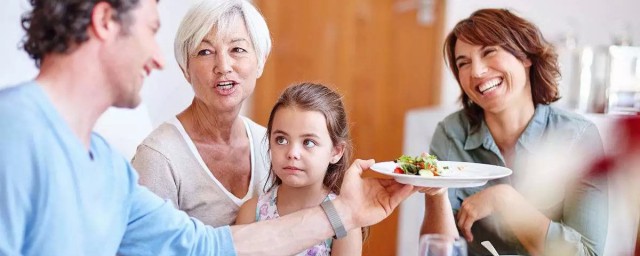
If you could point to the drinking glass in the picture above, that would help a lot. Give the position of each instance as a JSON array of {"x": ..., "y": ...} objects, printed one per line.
[{"x": 441, "y": 245}]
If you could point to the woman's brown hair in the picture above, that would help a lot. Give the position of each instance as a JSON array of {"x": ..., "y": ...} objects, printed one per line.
[{"x": 521, "y": 38}]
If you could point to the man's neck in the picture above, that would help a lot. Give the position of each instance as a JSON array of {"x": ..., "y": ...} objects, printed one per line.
[{"x": 76, "y": 89}]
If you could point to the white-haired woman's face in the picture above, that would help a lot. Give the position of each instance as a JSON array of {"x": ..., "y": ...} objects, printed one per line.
[{"x": 224, "y": 68}]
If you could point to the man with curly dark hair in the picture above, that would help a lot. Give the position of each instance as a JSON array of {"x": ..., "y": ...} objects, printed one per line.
[
  {"x": 65, "y": 191},
  {"x": 56, "y": 26}
]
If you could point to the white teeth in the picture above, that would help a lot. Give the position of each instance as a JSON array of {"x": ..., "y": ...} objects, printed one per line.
[
  {"x": 225, "y": 85},
  {"x": 489, "y": 85}
]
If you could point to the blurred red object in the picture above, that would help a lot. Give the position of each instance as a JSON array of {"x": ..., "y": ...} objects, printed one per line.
[{"x": 628, "y": 147}]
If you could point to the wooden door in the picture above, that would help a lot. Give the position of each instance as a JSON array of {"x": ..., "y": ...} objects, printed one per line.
[{"x": 380, "y": 58}]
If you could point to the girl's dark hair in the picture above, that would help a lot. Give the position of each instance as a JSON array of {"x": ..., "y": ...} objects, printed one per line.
[
  {"x": 57, "y": 26},
  {"x": 317, "y": 97},
  {"x": 516, "y": 35}
]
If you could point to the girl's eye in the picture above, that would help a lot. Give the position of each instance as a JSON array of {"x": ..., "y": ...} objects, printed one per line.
[
  {"x": 281, "y": 140},
  {"x": 309, "y": 143},
  {"x": 204, "y": 52},
  {"x": 461, "y": 64}
]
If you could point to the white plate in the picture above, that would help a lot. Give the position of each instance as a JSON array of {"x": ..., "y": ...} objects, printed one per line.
[{"x": 460, "y": 174}]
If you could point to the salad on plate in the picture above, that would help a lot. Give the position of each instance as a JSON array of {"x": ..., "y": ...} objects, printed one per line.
[{"x": 424, "y": 165}]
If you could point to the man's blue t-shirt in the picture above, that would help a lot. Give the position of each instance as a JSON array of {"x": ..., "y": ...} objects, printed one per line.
[{"x": 59, "y": 198}]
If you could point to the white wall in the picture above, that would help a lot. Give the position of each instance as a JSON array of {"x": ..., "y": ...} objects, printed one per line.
[
  {"x": 165, "y": 93},
  {"x": 15, "y": 65}
]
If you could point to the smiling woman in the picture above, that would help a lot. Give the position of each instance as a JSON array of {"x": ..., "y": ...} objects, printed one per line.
[
  {"x": 209, "y": 159},
  {"x": 490, "y": 32},
  {"x": 508, "y": 76}
]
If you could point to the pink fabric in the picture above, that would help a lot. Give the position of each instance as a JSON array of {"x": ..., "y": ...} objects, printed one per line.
[{"x": 267, "y": 209}]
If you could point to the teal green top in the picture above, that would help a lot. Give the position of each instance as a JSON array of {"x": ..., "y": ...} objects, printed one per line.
[{"x": 579, "y": 221}]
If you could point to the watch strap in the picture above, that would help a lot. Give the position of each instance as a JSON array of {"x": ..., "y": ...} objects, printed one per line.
[{"x": 334, "y": 219}]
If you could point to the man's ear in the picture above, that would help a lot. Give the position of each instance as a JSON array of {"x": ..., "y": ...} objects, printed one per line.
[{"x": 102, "y": 26}]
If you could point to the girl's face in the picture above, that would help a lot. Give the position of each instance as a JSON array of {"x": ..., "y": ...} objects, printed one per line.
[
  {"x": 492, "y": 77},
  {"x": 301, "y": 148}
]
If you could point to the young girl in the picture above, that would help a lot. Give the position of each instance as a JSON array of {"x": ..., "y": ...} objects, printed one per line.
[{"x": 310, "y": 148}]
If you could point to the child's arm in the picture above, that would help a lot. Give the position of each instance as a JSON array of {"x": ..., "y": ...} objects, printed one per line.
[
  {"x": 349, "y": 245},
  {"x": 247, "y": 212}
]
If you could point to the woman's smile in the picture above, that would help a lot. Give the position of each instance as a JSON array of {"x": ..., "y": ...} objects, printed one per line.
[{"x": 490, "y": 85}]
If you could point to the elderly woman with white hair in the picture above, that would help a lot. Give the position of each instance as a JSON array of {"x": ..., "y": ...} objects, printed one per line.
[{"x": 209, "y": 159}]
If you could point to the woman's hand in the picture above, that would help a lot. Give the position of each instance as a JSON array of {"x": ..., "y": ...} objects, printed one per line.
[
  {"x": 437, "y": 213},
  {"x": 432, "y": 191},
  {"x": 481, "y": 205}
]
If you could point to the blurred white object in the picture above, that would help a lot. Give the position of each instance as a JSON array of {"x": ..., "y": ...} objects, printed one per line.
[
  {"x": 440, "y": 245},
  {"x": 623, "y": 81},
  {"x": 624, "y": 208},
  {"x": 489, "y": 247}
]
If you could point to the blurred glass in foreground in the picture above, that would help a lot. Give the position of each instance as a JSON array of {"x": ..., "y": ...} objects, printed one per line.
[{"x": 441, "y": 245}]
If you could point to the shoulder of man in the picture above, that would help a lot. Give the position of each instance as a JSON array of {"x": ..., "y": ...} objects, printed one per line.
[{"x": 20, "y": 113}]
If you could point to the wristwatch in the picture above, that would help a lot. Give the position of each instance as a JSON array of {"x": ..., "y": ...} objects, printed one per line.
[{"x": 334, "y": 219}]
